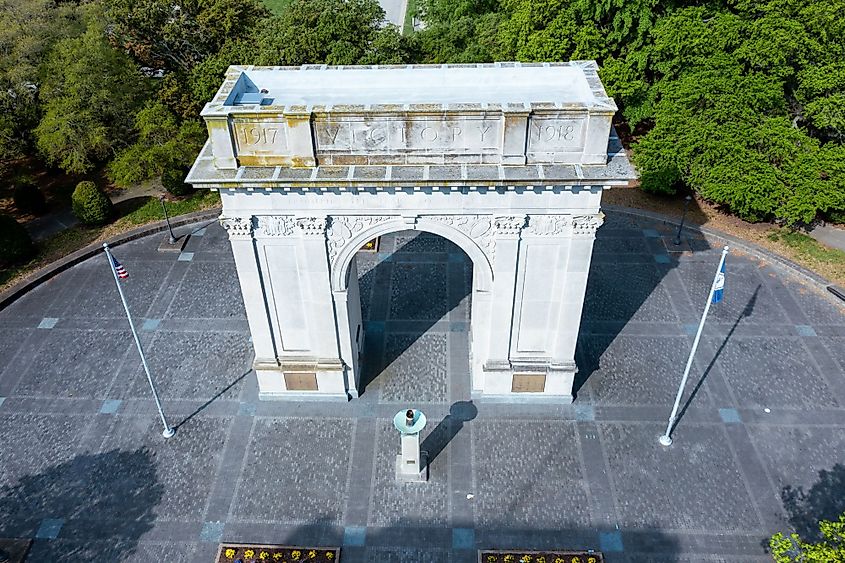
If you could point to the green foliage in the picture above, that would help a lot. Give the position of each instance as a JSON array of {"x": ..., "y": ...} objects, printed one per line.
[
  {"x": 335, "y": 32},
  {"x": 28, "y": 198},
  {"x": 162, "y": 141},
  {"x": 28, "y": 30},
  {"x": 90, "y": 205},
  {"x": 177, "y": 34},
  {"x": 793, "y": 549},
  {"x": 15, "y": 243},
  {"x": 89, "y": 94},
  {"x": 458, "y": 32},
  {"x": 173, "y": 180}
]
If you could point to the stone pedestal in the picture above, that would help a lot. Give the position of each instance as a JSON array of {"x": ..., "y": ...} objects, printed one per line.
[{"x": 409, "y": 463}]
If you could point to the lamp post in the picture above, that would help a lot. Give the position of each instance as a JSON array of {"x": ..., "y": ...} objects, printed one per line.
[
  {"x": 172, "y": 239},
  {"x": 687, "y": 201}
]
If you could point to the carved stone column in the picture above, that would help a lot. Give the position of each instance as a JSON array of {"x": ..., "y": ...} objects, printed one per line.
[
  {"x": 506, "y": 232},
  {"x": 240, "y": 231}
]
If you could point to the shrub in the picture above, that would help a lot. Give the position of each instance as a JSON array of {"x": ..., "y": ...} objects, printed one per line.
[
  {"x": 173, "y": 180},
  {"x": 90, "y": 205},
  {"x": 15, "y": 242},
  {"x": 836, "y": 216},
  {"x": 28, "y": 198}
]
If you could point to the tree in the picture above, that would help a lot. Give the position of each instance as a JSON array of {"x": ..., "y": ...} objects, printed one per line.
[
  {"x": 793, "y": 549},
  {"x": 90, "y": 93},
  {"x": 459, "y": 32},
  {"x": 175, "y": 35},
  {"x": 335, "y": 32},
  {"x": 28, "y": 30},
  {"x": 163, "y": 141}
]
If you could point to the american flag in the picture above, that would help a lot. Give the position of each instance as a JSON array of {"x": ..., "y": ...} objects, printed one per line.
[{"x": 119, "y": 269}]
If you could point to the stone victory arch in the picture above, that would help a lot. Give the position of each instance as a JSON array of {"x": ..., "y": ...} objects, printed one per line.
[{"x": 507, "y": 161}]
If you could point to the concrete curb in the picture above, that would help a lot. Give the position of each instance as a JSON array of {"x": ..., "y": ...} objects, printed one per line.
[
  {"x": 745, "y": 246},
  {"x": 35, "y": 279}
]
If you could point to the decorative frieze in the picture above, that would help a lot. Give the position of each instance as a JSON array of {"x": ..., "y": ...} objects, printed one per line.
[
  {"x": 276, "y": 225},
  {"x": 312, "y": 226},
  {"x": 237, "y": 227},
  {"x": 549, "y": 225},
  {"x": 587, "y": 225},
  {"x": 477, "y": 227},
  {"x": 343, "y": 227},
  {"x": 509, "y": 225}
]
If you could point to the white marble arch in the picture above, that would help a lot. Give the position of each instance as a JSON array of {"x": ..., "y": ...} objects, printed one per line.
[
  {"x": 506, "y": 160},
  {"x": 348, "y": 311}
]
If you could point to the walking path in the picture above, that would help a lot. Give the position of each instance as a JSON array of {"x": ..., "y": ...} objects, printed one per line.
[{"x": 86, "y": 473}]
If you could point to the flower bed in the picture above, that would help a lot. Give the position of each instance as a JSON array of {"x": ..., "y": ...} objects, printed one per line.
[
  {"x": 250, "y": 553},
  {"x": 524, "y": 556}
]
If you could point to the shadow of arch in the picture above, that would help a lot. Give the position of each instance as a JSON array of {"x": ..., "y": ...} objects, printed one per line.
[
  {"x": 106, "y": 500},
  {"x": 825, "y": 500}
]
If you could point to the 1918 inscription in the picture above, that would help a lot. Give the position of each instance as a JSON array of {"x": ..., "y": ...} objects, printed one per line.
[{"x": 555, "y": 135}]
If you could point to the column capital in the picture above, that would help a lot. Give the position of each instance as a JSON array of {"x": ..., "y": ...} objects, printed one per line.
[
  {"x": 238, "y": 228},
  {"x": 312, "y": 226},
  {"x": 507, "y": 226},
  {"x": 587, "y": 225}
]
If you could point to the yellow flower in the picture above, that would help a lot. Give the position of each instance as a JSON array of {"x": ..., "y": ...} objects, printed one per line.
[
  {"x": 277, "y": 555},
  {"x": 295, "y": 554},
  {"x": 329, "y": 555},
  {"x": 312, "y": 554},
  {"x": 559, "y": 560},
  {"x": 491, "y": 558},
  {"x": 526, "y": 559},
  {"x": 508, "y": 558},
  {"x": 541, "y": 559},
  {"x": 263, "y": 555},
  {"x": 249, "y": 553},
  {"x": 229, "y": 553}
]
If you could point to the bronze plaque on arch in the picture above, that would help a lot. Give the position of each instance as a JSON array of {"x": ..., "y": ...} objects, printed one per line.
[
  {"x": 300, "y": 381},
  {"x": 528, "y": 383}
]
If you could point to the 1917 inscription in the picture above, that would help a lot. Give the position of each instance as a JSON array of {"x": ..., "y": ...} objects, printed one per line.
[{"x": 260, "y": 136}]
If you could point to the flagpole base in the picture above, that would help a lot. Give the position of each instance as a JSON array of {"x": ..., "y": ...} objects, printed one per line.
[
  {"x": 665, "y": 440},
  {"x": 168, "y": 432}
]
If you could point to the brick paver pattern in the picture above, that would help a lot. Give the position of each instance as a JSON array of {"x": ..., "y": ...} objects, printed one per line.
[{"x": 84, "y": 469}]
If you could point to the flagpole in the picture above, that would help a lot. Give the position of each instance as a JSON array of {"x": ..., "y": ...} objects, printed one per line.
[
  {"x": 168, "y": 430},
  {"x": 666, "y": 438}
]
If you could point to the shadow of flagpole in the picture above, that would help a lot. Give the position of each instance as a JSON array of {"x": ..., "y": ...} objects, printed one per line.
[{"x": 746, "y": 312}]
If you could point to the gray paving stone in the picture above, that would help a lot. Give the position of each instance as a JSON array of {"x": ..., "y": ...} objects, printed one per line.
[
  {"x": 545, "y": 462},
  {"x": 634, "y": 370},
  {"x": 770, "y": 372},
  {"x": 188, "y": 365},
  {"x": 180, "y": 470},
  {"x": 419, "y": 372},
  {"x": 208, "y": 290},
  {"x": 416, "y": 291},
  {"x": 283, "y": 481},
  {"x": 391, "y": 500},
  {"x": 699, "y": 464},
  {"x": 89, "y": 361},
  {"x": 540, "y": 477}
]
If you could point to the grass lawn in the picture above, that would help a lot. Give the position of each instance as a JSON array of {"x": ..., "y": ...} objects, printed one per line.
[
  {"x": 814, "y": 255},
  {"x": 148, "y": 210}
]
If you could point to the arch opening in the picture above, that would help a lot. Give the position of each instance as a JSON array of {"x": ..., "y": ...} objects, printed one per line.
[{"x": 409, "y": 306}]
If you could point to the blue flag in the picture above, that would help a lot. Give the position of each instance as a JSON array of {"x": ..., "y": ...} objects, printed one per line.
[{"x": 719, "y": 286}]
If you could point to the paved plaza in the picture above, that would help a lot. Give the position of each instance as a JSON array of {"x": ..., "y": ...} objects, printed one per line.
[{"x": 759, "y": 448}]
